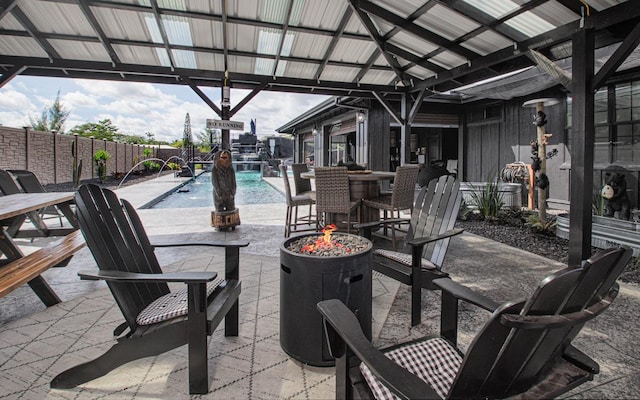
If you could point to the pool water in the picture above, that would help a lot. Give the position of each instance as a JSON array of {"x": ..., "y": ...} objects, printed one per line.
[{"x": 250, "y": 189}]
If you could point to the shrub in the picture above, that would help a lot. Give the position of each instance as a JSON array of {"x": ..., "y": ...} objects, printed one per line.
[
  {"x": 544, "y": 227},
  {"x": 488, "y": 201},
  {"x": 100, "y": 158}
]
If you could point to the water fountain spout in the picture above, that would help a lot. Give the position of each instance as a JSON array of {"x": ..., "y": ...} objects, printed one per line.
[{"x": 137, "y": 165}]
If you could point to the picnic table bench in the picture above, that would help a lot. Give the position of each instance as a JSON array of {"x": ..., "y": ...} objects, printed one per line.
[{"x": 27, "y": 269}]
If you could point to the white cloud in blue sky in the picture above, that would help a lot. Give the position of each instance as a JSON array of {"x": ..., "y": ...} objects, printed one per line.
[{"x": 138, "y": 108}]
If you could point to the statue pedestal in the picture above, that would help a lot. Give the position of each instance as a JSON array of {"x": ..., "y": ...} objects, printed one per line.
[{"x": 225, "y": 219}]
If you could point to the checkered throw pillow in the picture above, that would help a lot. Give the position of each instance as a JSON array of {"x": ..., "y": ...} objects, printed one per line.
[
  {"x": 171, "y": 305},
  {"x": 434, "y": 360},
  {"x": 403, "y": 258}
]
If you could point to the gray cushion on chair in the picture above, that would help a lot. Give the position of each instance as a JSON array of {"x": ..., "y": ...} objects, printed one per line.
[
  {"x": 434, "y": 360},
  {"x": 402, "y": 258},
  {"x": 171, "y": 305}
]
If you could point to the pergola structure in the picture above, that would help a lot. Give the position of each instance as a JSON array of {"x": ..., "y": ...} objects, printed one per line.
[{"x": 391, "y": 51}]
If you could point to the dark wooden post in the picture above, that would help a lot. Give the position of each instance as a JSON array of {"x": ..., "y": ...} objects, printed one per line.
[{"x": 582, "y": 151}]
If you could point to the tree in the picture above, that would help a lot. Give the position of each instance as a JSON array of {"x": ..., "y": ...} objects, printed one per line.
[
  {"x": 102, "y": 130},
  {"x": 52, "y": 118}
]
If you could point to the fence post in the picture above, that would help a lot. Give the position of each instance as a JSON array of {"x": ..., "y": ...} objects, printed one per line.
[
  {"x": 55, "y": 157},
  {"x": 26, "y": 147}
]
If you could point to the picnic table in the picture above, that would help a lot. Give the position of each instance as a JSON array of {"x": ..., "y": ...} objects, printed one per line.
[{"x": 16, "y": 268}]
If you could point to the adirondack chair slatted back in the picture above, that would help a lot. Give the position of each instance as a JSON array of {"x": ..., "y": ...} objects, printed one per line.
[
  {"x": 435, "y": 211},
  {"x": 117, "y": 239},
  {"x": 504, "y": 360},
  {"x": 7, "y": 184}
]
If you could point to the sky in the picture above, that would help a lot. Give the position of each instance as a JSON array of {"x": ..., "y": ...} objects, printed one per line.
[{"x": 138, "y": 108}]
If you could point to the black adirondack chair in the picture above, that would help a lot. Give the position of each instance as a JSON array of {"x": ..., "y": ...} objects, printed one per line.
[
  {"x": 430, "y": 230},
  {"x": 157, "y": 320},
  {"x": 30, "y": 183},
  {"x": 523, "y": 351},
  {"x": 7, "y": 187}
]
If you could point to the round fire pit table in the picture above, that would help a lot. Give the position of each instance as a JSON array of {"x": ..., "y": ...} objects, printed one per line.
[{"x": 306, "y": 279}]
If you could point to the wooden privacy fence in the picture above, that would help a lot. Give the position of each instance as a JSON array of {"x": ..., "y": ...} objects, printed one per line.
[{"x": 49, "y": 155}]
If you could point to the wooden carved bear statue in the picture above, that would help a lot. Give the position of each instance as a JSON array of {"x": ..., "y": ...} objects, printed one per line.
[{"x": 615, "y": 194}]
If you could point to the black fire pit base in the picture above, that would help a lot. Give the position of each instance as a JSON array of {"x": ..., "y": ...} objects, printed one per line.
[{"x": 306, "y": 280}]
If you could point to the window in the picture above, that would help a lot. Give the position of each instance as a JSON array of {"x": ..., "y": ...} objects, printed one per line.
[{"x": 617, "y": 124}]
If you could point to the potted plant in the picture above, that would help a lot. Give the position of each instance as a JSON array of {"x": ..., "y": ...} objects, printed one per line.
[{"x": 100, "y": 158}]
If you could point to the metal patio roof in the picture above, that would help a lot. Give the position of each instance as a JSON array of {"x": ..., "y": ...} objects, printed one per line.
[{"x": 379, "y": 48}]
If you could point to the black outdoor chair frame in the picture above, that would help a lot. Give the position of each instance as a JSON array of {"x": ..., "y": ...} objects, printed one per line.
[
  {"x": 117, "y": 240},
  {"x": 523, "y": 350}
]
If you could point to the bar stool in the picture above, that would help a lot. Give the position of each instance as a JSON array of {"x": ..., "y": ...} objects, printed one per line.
[
  {"x": 293, "y": 202},
  {"x": 332, "y": 194},
  {"x": 401, "y": 197}
]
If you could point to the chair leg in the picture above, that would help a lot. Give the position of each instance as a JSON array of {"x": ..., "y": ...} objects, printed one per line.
[{"x": 126, "y": 350}]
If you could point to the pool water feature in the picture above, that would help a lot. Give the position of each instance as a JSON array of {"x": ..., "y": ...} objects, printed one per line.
[{"x": 250, "y": 189}]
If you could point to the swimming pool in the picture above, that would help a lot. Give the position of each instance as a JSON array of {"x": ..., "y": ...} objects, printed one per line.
[{"x": 250, "y": 189}]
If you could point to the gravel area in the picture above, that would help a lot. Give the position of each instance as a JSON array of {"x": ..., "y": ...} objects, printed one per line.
[{"x": 514, "y": 232}]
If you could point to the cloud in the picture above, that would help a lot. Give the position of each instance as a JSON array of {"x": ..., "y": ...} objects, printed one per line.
[{"x": 138, "y": 108}]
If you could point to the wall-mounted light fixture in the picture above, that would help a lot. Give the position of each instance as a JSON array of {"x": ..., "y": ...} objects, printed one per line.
[
  {"x": 314, "y": 131},
  {"x": 360, "y": 116}
]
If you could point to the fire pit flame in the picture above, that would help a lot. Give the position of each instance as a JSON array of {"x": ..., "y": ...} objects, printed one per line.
[{"x": 324, "y": 242}]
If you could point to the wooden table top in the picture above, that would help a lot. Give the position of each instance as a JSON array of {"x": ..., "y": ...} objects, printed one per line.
[{"x": 17, "y": 204}]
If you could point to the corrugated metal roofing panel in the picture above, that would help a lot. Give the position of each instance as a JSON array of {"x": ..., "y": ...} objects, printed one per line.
[
  {"x": 300, "y": 70},
  {"x": 269, "y": 41},
  {"x": 323, "y": 14},
  {"x": 600, "y": 5},
  {"x": 206, "y": 33},
  {"x": 542, "y": 19},
  {"x": 496, "y": 8},
  {"x": 138, "y": 55},
  {"x": 420, "y": 72},
  {"x": 205, "y": 6},
  {"x": 274, "y": 11},
  {"x": 378, "y": 77},
  {"x": 352, "y": 50},
  {"x": 50, "y": 17},
  {"x": 381, "y": 61},
  {"x": 249, "y": 9},
  {"x": 209, "y": 61},
  {"x": 445, "y": 22},
  {"x": 355, "y": 26},
  {"x": 184, "y": 59},
  {"x": 554, "y": 13},
  {"x": 448, "y": 59},
  {"x": 123, "y": 24},
  {"x": 264, "y": 66},
  {"x": 487, "y": 42},
  {"x": 381, "y": 25},
  {"x": 21, "y": 46},
  {"x": 339, "y": 74},
  {"x": 401, "y": 8},
  {"x": 309, "y": 46},
  {"x": 242, "y": 37},
  {"x": 9, "y": 22},
  {"x": 173, "y": 4},
  {"x": 177, "y": 29},
  {"x": 241, "y": 64},
  {"x": 77, "y": 50},
  {"x": 412, "y": 43}
]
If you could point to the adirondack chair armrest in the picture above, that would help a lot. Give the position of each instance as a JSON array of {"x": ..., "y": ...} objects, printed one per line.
[
  {"x": 366, "y": 228},
  {"x": 461, "y": 292},
  {"x": 160, "y": 241},
  {"x": 424, "y": 240},
  {"x": 121, "y": 276},
  {"x": 344, "y": 332}
]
